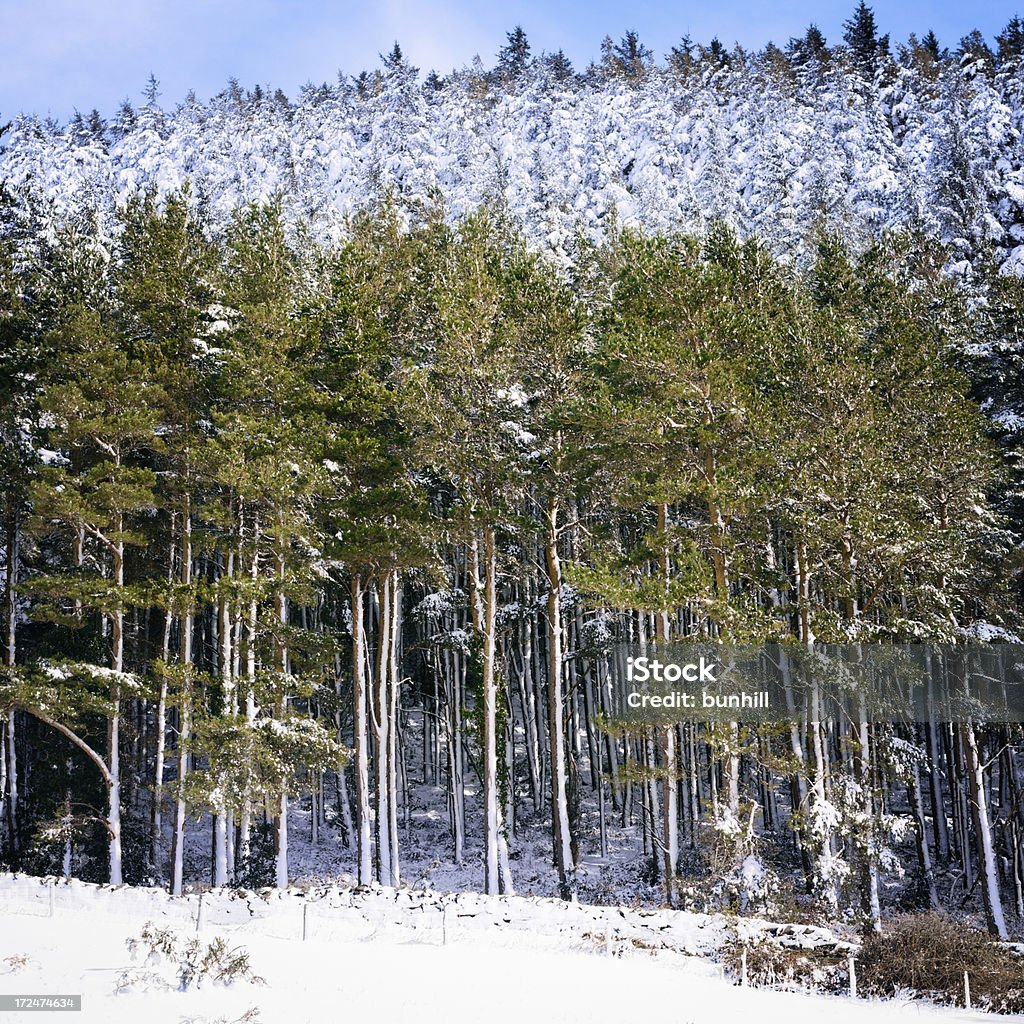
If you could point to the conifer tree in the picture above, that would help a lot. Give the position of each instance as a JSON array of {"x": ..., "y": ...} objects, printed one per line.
[
  {"x": 861, "y": 36},
  {"x": 104, "y": 415},
  {"x": 514, "y": 56}
]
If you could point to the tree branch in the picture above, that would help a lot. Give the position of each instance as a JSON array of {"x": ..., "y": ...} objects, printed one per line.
[{"x": 77, "y": 740}]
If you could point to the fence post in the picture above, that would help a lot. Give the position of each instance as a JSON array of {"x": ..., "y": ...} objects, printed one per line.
[
  {"x": 444, "y": 925},
  {"x": 743, "y": 966},
  {"x": 967, "y": 991},
  {"x": 50, "y": 894},
  {"x": 199, "y": 914},
  {"x": 305, "y": 919},
  {"x": 853, "y": 978}
]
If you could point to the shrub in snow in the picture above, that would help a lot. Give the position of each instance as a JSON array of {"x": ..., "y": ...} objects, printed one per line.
[
  {"x": 770, "y": 964},
  {"x": 169, "y": 962},
  {"x": 740, "y": 881},
  {"x": 15, "y": 963},
  {"x": 927, "y": 955}
]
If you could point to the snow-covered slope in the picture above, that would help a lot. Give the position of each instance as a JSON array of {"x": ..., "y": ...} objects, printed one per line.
[
  {"x": 390, "y": 956},
  {"x": 770, "y": 149}
]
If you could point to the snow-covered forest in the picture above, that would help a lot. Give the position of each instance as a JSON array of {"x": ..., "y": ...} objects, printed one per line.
[
  {"x": 868, "y": 135},
  {"x": 343, "y": 436}
]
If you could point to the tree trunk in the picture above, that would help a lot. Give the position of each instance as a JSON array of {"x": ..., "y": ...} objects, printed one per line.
[
  {"x": 364, "y": 870},
  {"x": 380, "y": 708},
  {"x": 487, "y": 614},
  {"x": 9, "y": 753},
  {"x": 983, "y": 832},
  {"x": 185, "y": 710},
  {"x": 156, "y": 819},
  {"x": 556, "y": 734},
  {"x": 244, "y": 851},
  {"x": 869, "y": 853},
  {"x": 114, "y": 725},
  {"x": 394, "y": 710},
  {"x": 666, "y": 734}
]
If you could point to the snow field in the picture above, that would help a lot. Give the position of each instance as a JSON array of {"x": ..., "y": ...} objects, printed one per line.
[{"x": 396, "y": 955}]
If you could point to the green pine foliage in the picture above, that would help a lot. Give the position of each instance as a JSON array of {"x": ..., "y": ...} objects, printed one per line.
[{"x": 206, "y": 437}]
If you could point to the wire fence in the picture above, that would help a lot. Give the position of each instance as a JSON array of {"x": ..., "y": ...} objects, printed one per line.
[{"x": 348, "y": 915}]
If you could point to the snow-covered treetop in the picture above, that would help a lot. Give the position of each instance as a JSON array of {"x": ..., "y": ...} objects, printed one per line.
[{"x": 860, "y": 138}]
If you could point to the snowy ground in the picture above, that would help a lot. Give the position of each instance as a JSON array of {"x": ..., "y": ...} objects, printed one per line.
[{"x": 393, "y": 956}]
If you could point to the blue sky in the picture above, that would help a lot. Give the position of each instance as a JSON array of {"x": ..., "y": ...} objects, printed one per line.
[{"x": 59, "y": 55}]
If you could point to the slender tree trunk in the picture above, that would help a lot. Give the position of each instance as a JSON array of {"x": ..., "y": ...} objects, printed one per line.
[
  {"x": 394, "y": 710},
  {"x": 3, "y": 775},
  {"x": 983, "y": 832},
  {"x": 364, "y": 871},
  {"x": 343, "y": 804},
  {"x": 244, "y": 853},
  {"x": 156, "y": 819},
  {"x": 824, "y": 866},
  {"x": 281, "y": 818},
  {"x": 185, "y": 710},
  {"x": 556, "y": 734},
  {"x": 380, "y": 712},
  {"x": 527, "y": 701},
  {"x": 667, "y": 736},
  {"x": 921, "y": 837},
  {"x": 487, "y": 615},
  {"x": 13, "y": 542},
  {"x": 870, "y": 857},
  {"x": 114, "y": 723},
  {"x": 9, "y": 753},
  {"x": 456, "y": 768},
  {"x": 220, "y": 820}
]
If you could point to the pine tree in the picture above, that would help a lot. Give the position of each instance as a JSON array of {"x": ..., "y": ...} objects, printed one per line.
[
  {"x": 20, "y": 371},
  {"x": 861, "y": 36},
  {"x": 268, "y": 458},
  {"x": 931, "y": 45},
  {"x": 974, "y": 46},
  {"x": 104, "y": 415},
  {"x": 165, "y": 269},
  {"x": 1011, "y": 40},
  {"x": 377, "y": 517},
  {"x": 470, "y": 385},
  {"x": 514, "y": 56},
  {"x": 680, "y": 57},
  {"x": 628, "y": 59},
  {"x": 560, "y": 434},
  {"x": 558, "y": 66}
]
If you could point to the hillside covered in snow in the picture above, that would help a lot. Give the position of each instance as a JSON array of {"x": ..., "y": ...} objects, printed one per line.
[
  {"x": 860, "y": 136},
  {"x": 387, "y": 956}
]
